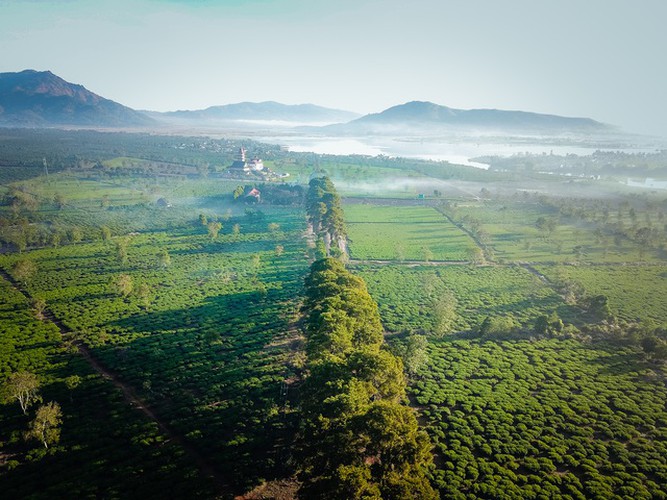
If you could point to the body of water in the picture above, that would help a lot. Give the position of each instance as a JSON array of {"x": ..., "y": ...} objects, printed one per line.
[{"x": 459, "y": 151}]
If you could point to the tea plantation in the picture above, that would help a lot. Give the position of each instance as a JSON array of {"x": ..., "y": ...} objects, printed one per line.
[{"x": 166, "y": 334}]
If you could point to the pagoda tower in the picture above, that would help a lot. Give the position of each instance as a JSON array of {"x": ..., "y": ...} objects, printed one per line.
[{"x": 240, "y": 161}]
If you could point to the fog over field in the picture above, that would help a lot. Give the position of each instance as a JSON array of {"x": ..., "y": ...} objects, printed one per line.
[{"x": 361, "y": 249}]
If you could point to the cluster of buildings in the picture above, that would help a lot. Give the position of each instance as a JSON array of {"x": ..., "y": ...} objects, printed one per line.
[
  {"x": 241, "y": 164},
  {"x": 252, "y": 168}
]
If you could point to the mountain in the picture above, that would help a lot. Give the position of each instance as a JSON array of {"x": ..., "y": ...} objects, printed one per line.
[
  {"x": 41, "y": 99},
  {"x": 264, "y": 111},
  {"x": 419, "y": 115}
]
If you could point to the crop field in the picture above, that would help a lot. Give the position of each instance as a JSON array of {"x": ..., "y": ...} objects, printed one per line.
[
  {"x": 100, "y": 431},
  {"x": 365, "y": 177},
  {"x": 511, "y": 232},
  {"x": 545, "y": 419},
  {"x": 407, "y": 296},
  {"x": 403, "y": 233},
  {"x": 201, "y": 333},
  {"x": 636, "y": 293},
  {"x": 204, "y": 341},
  {"x": 191, "y": 298}
]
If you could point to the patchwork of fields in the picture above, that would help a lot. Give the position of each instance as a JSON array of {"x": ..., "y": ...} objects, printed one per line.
[
  {"x": 522, "y": 416},
  {"x": 195, "y": 304}
]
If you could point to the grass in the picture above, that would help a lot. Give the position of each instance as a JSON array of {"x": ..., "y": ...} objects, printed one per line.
[{"x": 403, "y": 233}]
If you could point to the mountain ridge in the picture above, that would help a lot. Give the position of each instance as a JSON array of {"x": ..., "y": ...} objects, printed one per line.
[
  {"x": 31, "y": 98},
  {"x": 425, "y": 114},
  {"x": 265, "y": 110}
]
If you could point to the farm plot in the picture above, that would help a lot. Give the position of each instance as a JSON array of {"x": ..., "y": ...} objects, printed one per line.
[
  {"x": 106, "y": 449},
  {"x": 202, "y": 336},
  {"x": 635, "y": 293},
  {"x": 511, "y": 230},
  {"x": 366, "y": 177},
  {"x": 409, "y": 298},
  {"x": 548, "y": 418},
  {"x": 403, "y": 233}
]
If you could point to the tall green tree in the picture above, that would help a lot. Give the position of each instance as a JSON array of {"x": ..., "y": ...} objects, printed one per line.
[
  {"x": 122, "y": 285},
  {"x": 214, "y": 228},
  {"x": 357, "y": 439},
  {"x": 324, "y": 211}
]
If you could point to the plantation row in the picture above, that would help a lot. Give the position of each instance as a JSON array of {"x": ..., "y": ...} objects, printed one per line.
[
  {"x": 100, "y": 448},
  {"x": 553, "y": 418},
  {"x": 359, "y": 440},
  {"x": 201, "y": 335}
]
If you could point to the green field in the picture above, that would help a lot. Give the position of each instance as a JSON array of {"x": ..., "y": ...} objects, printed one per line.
[
  {"x": 360, "y": 177},
  {"x": 203, "y": 345},
  {"x": 636, "y": 293},
  {"x": 207, "y": 331},
  {"x": 100, "y": 431},
  {"x": 407, "y": 296},
  {"x": 545, "y": 419},
  {"x": 202, "y": 337},
  {"x": 510, "y": 231},
  {"x": 403, "y": 233}
]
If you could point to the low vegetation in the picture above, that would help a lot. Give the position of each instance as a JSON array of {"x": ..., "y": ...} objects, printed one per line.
[{"x": 487, "y": 339}]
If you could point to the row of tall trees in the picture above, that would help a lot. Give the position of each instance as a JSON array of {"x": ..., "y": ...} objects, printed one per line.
[
  {"x": 325, "y": 214},
  {"x": 359, "y": 439}
]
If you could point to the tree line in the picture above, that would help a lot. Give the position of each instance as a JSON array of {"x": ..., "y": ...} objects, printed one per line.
[
  {"x": 325, "y": 216},
  {"x": 358, "y": 438}
]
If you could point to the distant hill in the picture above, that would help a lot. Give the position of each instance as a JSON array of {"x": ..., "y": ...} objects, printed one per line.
[
  {"x": 41, "y": 99},
  {"x": 264, "y": 111},
  {"x": 419, "y": 115}
]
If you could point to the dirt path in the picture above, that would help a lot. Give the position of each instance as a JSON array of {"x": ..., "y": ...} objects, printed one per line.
[
  {"x": 535, "y": 272},
  {"x": 482, "y": 247},
  {"x": 131, "y": 397}
]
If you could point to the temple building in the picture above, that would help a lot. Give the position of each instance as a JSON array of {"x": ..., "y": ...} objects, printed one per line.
[{"x": 241, "y": 163}]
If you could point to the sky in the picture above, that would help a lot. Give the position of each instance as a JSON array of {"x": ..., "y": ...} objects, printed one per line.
[{"x": 602, "y": 59}]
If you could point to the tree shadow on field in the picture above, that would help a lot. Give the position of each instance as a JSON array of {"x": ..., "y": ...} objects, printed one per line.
[
  {"x": 622, "y": 363},
  {"x": 215, "y": 372},
  {"x": 107, "y": 450}
]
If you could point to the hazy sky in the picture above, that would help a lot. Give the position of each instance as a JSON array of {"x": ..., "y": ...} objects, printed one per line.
[{"x": 598, "y": 58}]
